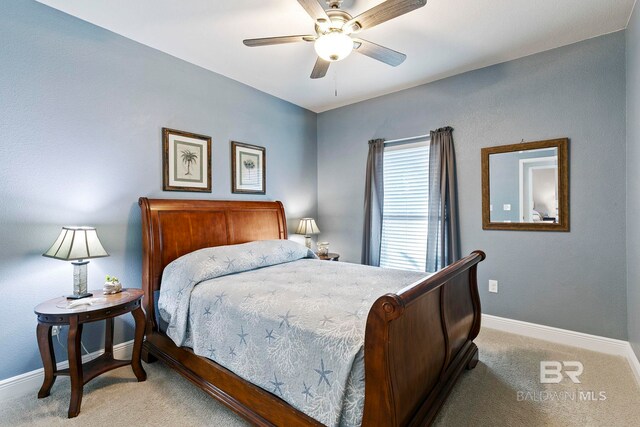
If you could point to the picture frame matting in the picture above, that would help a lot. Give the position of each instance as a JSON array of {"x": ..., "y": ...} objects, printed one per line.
[
  {"x": 248, "y": 168},
  {"x": 186, "y": 161}
]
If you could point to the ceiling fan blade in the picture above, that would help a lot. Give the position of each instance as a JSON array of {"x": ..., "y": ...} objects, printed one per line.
[
  {"x": 381, "y": 53},
  {"x": 320, "y": 69},
  {"x": 315, "y": 10},
  {"x": 266, "y": 41},
  {"x": 383, "y": 12}
]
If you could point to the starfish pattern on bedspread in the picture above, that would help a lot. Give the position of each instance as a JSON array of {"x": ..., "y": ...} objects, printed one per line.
[
  {"x": 219, "y": 298},
  {"x": 285, "y": 319},
  {"x": 230, "y": 263},
  {"x": 276, "y": 384},
  {"x": 326, "y": 320},
  {"x": 270, "y": 335},
  {"x": 287, "y": 326},
  {"x": 323, "y": 373},
  {"x": 306, "y": 392},
  {"x": 243, "y": 335}
]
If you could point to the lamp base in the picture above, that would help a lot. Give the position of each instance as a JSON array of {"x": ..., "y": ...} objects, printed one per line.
[
  {"x": 307, "y": 241},
  {"x": 80, "y": 296},
  {"x": 79, "y": 280}
]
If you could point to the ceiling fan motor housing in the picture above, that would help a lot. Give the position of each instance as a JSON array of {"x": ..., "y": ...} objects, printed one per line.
[{"x": 338, "y": 18}]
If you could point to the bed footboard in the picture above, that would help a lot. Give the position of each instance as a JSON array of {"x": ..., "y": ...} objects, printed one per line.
[{"x": 417, "y": 343}]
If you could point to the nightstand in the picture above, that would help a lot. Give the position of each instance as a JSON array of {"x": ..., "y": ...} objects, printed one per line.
[
  {"x": 55, "y": 312},
  {"x": 329, "y": 257}
]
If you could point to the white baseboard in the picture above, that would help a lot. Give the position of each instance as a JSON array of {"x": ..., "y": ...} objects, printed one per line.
[
  {"x": 566, "y": 337},
  {"x": 557, "y": 335},
  {"x": 634, "y": 363},
  {"x": 30, "y": 382}
]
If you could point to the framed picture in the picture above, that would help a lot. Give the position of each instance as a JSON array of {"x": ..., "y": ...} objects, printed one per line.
[
  {"x": 186, "y": 159},
  {"x": 248, "y": 168}
]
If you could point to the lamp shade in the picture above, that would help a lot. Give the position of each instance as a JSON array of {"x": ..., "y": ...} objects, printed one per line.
[
  {"x": 307, "y": 226},
  {"x": 76, "y": 243}
]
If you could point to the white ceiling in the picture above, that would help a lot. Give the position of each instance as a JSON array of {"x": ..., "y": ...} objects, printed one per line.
[{"x": 444, "y": 38}]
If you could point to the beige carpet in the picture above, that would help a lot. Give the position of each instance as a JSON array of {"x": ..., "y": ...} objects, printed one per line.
[{"x": 486, "y": 396}]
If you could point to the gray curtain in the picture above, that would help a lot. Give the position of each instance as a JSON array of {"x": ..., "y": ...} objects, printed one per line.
[
  {"x": 373, "y": 203},
  {"x": 443, "y": 238}
]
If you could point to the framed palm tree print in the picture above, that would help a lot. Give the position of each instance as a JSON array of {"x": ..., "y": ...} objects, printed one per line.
[
  {"x": 248, "y": 168},
  {"x": 186, "y": 159}
]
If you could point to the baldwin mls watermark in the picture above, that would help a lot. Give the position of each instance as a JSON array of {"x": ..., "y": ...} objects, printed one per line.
[
  {"x": 555, "y": 372},
  {"x": 551, "y": 371}
]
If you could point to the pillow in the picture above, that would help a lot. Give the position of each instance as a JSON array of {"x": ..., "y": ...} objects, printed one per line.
[
  {"x": 208, "y": 263},
  {"x": 183, "y": 274}
]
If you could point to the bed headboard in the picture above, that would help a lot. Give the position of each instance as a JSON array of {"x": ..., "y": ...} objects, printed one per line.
[{"x": 172, "y": 228}]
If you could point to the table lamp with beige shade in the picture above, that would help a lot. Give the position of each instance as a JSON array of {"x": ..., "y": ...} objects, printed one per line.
[
  {"x": 307, "y": 227},
  {"x": 77, "y": 244}
]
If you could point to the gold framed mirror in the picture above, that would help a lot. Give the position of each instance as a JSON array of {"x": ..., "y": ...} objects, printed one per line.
[{"x": 526, "y": 186}]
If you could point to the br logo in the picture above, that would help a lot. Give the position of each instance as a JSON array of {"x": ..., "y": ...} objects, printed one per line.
[{"x": 551, "y": 371}]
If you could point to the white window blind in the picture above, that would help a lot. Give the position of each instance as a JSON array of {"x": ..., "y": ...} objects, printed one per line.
[{"x": 406, "y": 192}]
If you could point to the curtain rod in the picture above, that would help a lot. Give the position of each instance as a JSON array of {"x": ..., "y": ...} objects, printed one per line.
[{"x": 401, "y": 141}]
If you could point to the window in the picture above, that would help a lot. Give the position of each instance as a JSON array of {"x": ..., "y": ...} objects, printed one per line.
[{"x": 406, "y": 192}]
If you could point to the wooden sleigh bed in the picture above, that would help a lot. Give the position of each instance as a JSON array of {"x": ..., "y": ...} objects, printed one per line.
[{"x": 417, "y": 342}]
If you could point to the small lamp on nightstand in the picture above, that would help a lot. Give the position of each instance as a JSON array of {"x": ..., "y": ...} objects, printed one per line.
[
  {"x": 307, "y": 227},
  {"x": 77, "y": 244}
]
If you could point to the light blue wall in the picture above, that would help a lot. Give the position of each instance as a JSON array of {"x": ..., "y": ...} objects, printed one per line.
[
  {"x": 572, "y": 280},
  {"x": 633, "y": 179},
  {"x": 81, "y": 112}
]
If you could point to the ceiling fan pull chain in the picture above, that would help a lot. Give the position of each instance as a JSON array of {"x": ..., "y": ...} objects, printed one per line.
[{"x": 335, "y": 83}]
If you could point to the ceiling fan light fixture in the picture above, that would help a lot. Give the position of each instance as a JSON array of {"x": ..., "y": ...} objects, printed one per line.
[
  {"x": 333, "y": 46},
  {"x": 334, "y": 27}
]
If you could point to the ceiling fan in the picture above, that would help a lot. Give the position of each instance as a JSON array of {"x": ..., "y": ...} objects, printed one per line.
[{"x": 335, "y": 29}]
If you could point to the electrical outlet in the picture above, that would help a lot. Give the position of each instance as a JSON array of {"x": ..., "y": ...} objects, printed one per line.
[
  {"x": 493, "y": 286},
  {"x": 55, "y": 330}
]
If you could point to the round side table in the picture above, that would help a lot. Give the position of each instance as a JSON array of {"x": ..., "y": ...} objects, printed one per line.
[{"x": 57, "y": 312}]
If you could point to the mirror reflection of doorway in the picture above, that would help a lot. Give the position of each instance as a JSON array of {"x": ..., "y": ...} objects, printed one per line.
[{"x": 539, "y": 189}]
